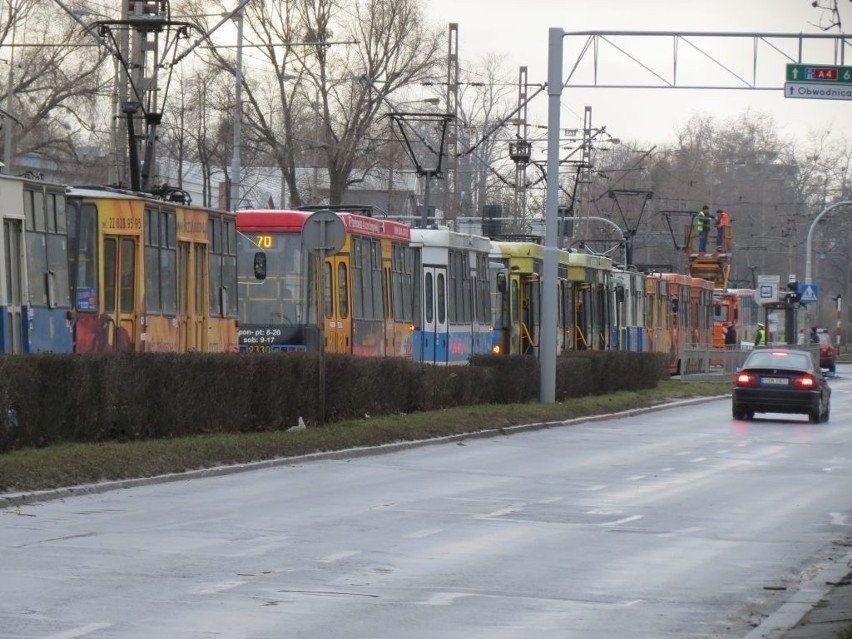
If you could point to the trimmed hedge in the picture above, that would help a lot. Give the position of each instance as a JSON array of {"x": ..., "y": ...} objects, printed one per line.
[{"x": 47, "y": 399}]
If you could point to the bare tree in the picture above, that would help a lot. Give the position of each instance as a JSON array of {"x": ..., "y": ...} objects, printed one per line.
[
  {"x": 321, "y": 73},
  {"x": 52, "y": 90}
]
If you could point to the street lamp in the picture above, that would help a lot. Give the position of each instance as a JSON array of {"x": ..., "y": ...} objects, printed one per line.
[{"x": 811, "y": 229}]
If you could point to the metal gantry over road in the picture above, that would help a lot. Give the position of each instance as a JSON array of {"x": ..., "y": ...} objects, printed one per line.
[{"x": 659, "y": 60}]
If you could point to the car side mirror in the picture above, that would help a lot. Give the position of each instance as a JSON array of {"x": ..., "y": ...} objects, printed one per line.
[
  {"x": 501, "y": 282},
  {"x": 260, "y": 266}
]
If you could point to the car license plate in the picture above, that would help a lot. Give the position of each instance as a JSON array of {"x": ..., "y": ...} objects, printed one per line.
[{"x": 775, "y": 381}]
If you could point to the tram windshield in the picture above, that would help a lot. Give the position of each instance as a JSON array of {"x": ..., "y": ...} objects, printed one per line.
[{"x": 277, "y": 294}]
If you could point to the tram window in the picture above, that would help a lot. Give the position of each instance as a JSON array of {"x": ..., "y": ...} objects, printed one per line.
[
  {"x": 326, "y": 289},
  {"x": 215, "y": 235},
  {"x": 429, "y": 301},
  {"x": 411, "y": 286},
  {"x": 128, "y": 275},
  {"x": 152, "y": 280},
  {"x": 362, "y": 296},
  {"x": 152, "y": 227},
  {"x": 222, "y": 276},
  {"x": 37, "y": 268},
  {"x": 168, "y": 230},
  {"x": 110, "y": 250},
  {"x": 153, "y": 303},
  {"x": 454, "y": 276},
  {"x": 34, "y": 210},
  {"x": 442, "y": 299},
  {"x": 379, "y": 310},
  {"x": 342, "y": 291},
  {"x": 56, "y": 212},
  {"x": 57, "y": 266},
  {"x": 168, "y": 280},
  {"x": 515, "y": 302},
  {"x": 200, "y": 268},
  {"x": 86, "y": 256},
  {"x": 467, "y": 294},
  {"x": 229, "y": 283},
  {"x": 396, "y": 284}
]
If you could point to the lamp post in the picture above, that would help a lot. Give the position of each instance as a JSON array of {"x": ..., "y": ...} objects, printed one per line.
[
  {"x": 811, "y": 229},
  {"x": 234, "y": 195}
]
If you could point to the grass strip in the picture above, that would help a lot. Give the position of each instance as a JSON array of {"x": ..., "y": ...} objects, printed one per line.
[{"x": 66, "y": 465}]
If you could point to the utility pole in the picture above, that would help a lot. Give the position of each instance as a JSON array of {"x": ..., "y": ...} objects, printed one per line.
[
  {"x": 520, "y": 148},
  {"x": 236, "y": 169},
  {"x": 8, "y": 118},
  {"x": 452, "y": 144}
]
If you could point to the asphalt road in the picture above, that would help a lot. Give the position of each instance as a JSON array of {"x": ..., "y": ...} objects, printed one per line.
[{"x": 672, "y": 523}]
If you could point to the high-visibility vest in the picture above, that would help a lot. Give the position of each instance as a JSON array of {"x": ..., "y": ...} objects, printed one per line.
[{"x": 701, "y": 221}]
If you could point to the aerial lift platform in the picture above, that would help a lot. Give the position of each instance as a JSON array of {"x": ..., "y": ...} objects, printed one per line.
[{"x": 714, "y": 264}]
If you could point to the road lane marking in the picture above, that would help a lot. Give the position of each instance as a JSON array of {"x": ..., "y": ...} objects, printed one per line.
[
  {"x": 500, "y": 512},
  {"x": 419, "y": 534},
  {"x": 618, "y": 522},
  {"x": 82, "y": 631},
  {"x": 221, "y": 587},
  {"x": 443, "y": 598},
  {"x": 328, "y": 559}
]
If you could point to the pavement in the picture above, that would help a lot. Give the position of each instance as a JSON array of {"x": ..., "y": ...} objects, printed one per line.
[{"x": 831, "y": 615}]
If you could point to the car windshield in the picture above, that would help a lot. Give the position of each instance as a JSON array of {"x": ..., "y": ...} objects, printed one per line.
[
  {"x": 775, "y": 359},
  {"x": 823, "y": 338}
]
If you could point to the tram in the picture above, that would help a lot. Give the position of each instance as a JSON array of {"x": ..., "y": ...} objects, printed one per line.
[
  {"x": 35, "y": 290},
  {"x": 150, "y": 275},
  {"x": 358, "y": 301}
]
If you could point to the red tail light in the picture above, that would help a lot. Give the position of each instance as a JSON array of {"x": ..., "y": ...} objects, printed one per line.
[
  {"x": 746, "y": 379},
  {"x": 805, "y": 381}
]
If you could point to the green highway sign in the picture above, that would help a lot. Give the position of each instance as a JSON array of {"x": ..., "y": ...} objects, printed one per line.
[{"x": 819, "y": 73}]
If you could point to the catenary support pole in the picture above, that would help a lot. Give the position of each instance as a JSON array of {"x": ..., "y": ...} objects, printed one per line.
[
  {"x": 547, "y": 340},
  {"x": 236, "y": 168}
]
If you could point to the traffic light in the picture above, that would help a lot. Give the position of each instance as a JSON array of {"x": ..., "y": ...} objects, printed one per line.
[{"x": 793, "y": 296}]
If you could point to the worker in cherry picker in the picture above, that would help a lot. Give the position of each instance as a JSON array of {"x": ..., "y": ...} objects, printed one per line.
[
  {"x": 702, "y": 227},
  {"x": 723, "y": 220}
]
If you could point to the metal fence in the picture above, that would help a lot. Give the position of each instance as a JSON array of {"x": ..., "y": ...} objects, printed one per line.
[{"x": 702, "y": 363}]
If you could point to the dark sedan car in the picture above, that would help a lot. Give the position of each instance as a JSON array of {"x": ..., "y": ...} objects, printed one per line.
[{"x": 781, "y": 381}]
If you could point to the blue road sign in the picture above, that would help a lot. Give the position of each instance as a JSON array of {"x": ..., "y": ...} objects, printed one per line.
[{"x": 809, "y": 293}]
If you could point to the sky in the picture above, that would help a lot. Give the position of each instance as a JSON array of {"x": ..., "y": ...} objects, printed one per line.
[{"x": 519, "y": 31}]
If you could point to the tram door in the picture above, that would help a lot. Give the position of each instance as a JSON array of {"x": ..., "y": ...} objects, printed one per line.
[
  {"x": 335, "y": 302},
  {"x": 185, "y": 290},
  {"x": 193, "y": 302},
  {"x": 119, "y": 294},
  {"x": 530, "y": 314},
  {"x": 12, "y": 324},
  {"x": 434, "y": 343}
]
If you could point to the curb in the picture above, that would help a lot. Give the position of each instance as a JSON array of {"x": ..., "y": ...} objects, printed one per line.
[{"x": 23, "y": 498}]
